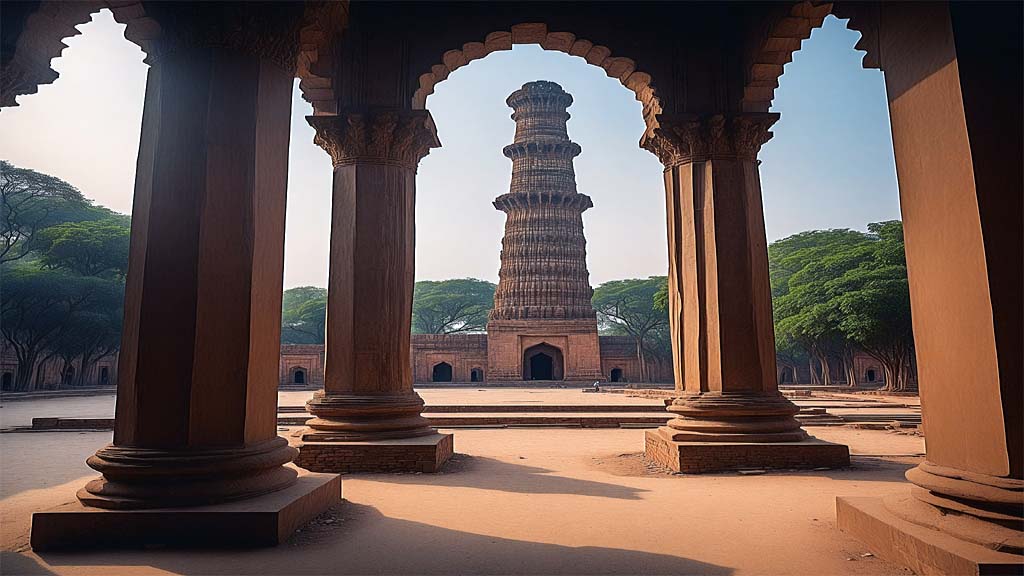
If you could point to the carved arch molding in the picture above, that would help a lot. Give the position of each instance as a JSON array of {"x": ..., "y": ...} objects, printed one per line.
[
  {"x": 784, "y": 33},
  {"x": 621, "y": 68},
  {"x": 25, "y": 61},
  {"x": 40, "y": 34}
]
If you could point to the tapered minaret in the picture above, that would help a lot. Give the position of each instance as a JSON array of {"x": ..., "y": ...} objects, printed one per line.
[{"x": 542, "y": 307}]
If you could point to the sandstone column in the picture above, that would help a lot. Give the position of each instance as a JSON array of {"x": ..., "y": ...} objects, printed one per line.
[
  {"x": 956, "y": 125},
  {"x": 197, "y": 386},
  {"x": 367, "y": 417},
  {"x": 729, "y": 413}
]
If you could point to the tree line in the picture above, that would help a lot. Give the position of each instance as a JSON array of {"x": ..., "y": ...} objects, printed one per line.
[
  {"x": 63, "y": 262},
  {"x": 835, "y": 292}
]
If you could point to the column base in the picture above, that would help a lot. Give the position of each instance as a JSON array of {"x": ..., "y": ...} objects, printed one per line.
[
  {"x": 921, "y": 549},
  {"x": 264, "y": 520},
  {"x": 704, "y": 457},
  {"x": 418, "y": 454}
]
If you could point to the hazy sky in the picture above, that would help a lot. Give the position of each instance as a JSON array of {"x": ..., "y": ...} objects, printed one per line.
[{"x": 829, "y": 165}]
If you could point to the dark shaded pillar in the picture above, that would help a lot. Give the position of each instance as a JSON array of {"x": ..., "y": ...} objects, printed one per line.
[
  {"x": 367, "y": 417},
  {"x": 197, "y": 378},
  {"x": 729, "y": 413},
  {"x": 953, "y": 82}
]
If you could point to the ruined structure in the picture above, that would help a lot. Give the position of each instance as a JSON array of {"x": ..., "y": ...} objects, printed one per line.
[{"x": 201, "y": 342}]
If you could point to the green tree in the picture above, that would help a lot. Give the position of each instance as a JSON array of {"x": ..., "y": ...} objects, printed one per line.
[
  {"x": 90, "y": 248},
  {"x": 451, "y": 306},
  {"x": 304, "y": 315},
  {"x": 38, "y": 311},
  {"x": 837, "y": 291},
  {"x": 92, "y": 330},
  {"x": 30, "y": 202},
  {"x": 875, "y": 303},
  {"x": 628, "y": 306},
  {"x": 806, "y": 314}
]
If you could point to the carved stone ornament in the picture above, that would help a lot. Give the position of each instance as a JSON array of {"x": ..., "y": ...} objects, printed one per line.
[
  {"x": 269, "y": 30},
  {"x": 690, "y": 138},
  {"x": 400, "y": 138}
]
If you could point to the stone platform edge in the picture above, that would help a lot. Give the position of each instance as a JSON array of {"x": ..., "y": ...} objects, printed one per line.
[
  {"x": 707, "y": 457},
  {"x": 422, "y": 454},
  {"x": 266, "y": 520},
  {"x": 921, "y": 549}
]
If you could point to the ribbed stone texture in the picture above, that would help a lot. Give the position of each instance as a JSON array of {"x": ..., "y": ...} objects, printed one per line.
[{"x": 543, "y": 271}]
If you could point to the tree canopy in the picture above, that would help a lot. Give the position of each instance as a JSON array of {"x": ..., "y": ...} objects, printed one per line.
[
  {"x": 451, "y": 306},
  {"x": 630, "y": 307},
  {"x": 62, "y": 263},
  {"x": 30, "y": 202},
  {"x": 304, "y": 315},
  {"x": 89, "y": 248},
  {"x": 836, "y": 291}
]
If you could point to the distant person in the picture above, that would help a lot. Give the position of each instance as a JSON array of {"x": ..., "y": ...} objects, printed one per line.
[{"x": 597, "y": 386}]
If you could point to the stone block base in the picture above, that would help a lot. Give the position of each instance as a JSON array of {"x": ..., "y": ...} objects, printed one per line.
[
  {"x": 703, "y": 457},
  {"x": 422, "y": 454},
  {"x": 923, "y": 550},
  {"x": 265, "y": 520}
]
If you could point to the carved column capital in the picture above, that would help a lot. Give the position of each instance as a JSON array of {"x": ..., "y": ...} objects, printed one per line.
[
  {"x": 681, "y": 139},
  {"x": 393, "y": 137}
]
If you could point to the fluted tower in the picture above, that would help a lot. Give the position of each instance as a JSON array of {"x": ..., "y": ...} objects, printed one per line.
[
  {"x": 544, "y": 253},
  {"x": 543, "y": 301}
]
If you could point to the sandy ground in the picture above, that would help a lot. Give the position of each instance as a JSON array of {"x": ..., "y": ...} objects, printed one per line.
[{"x": 514, "y": 501}]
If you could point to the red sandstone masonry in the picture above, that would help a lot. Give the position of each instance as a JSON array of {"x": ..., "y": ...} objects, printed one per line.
[
  {"x": 704, "y": 457},
  {"x": 378, "y": 456}
]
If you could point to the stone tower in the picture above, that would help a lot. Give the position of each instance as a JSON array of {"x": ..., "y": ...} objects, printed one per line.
[{"x": 543, "y": 326}]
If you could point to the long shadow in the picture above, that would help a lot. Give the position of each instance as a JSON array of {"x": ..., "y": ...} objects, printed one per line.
[
  {"x": 358, "y": 539},
  {"x": 12, "y": 563},
  {"x": 490, "y": 474}
]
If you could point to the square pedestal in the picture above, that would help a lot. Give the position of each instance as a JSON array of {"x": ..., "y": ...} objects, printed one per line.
[
  {"x": 703, "y": 457},
  {"x": 265, "y": 520},
  {"x": 422, "y": 454},
  {"x": 923, "y": 550}
]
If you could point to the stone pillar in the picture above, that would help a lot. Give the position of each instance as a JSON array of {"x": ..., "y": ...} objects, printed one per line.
[
  {"x": 956, "y": 127},
  {"x": 367, "y": 417},
  {"x": 197, "y": 378},
  {"x": 729, "y": 413}
]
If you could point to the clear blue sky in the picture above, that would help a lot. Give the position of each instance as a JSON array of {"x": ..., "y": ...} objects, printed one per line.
[{"x": 830, "y": 164}]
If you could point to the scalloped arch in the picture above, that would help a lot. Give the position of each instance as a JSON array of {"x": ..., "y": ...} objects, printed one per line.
[
  {"x": 42, "y": 40},
  {"x": 624, "y": 69},
  {"x": 785, "y": 36},
  {"x": 53, "y": 21}
]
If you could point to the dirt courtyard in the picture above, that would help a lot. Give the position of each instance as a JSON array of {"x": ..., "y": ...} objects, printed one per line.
[{"x": 514, "y": 501}]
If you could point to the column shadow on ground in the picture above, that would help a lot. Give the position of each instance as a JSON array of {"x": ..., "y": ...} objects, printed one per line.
[
  {"x": 358, "y": 539},
  {"x": 491, "y": 474}
]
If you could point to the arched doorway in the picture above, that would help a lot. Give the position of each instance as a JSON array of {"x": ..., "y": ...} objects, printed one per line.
[
  {"x": 104, "y": 375},
  {"x": 69, "y": 376},
  {"x": 870, "y": 376},
  {"x": 299, "y": 376},
  {"x": 8, "y": 382},
  {"x": 442, "y": 372},
  {"x": 476, "y": 375},
  {"x": 543, "y": 362},
  {"x": 616, "y": 375}
]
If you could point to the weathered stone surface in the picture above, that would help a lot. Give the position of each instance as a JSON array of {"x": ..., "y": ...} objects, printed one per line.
[
  {"x": 265, "y": 520},
  {"x": 923, "y": 550},
  {"x": 422, "y": 454},
  {"x": 705, "y": 457}
]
